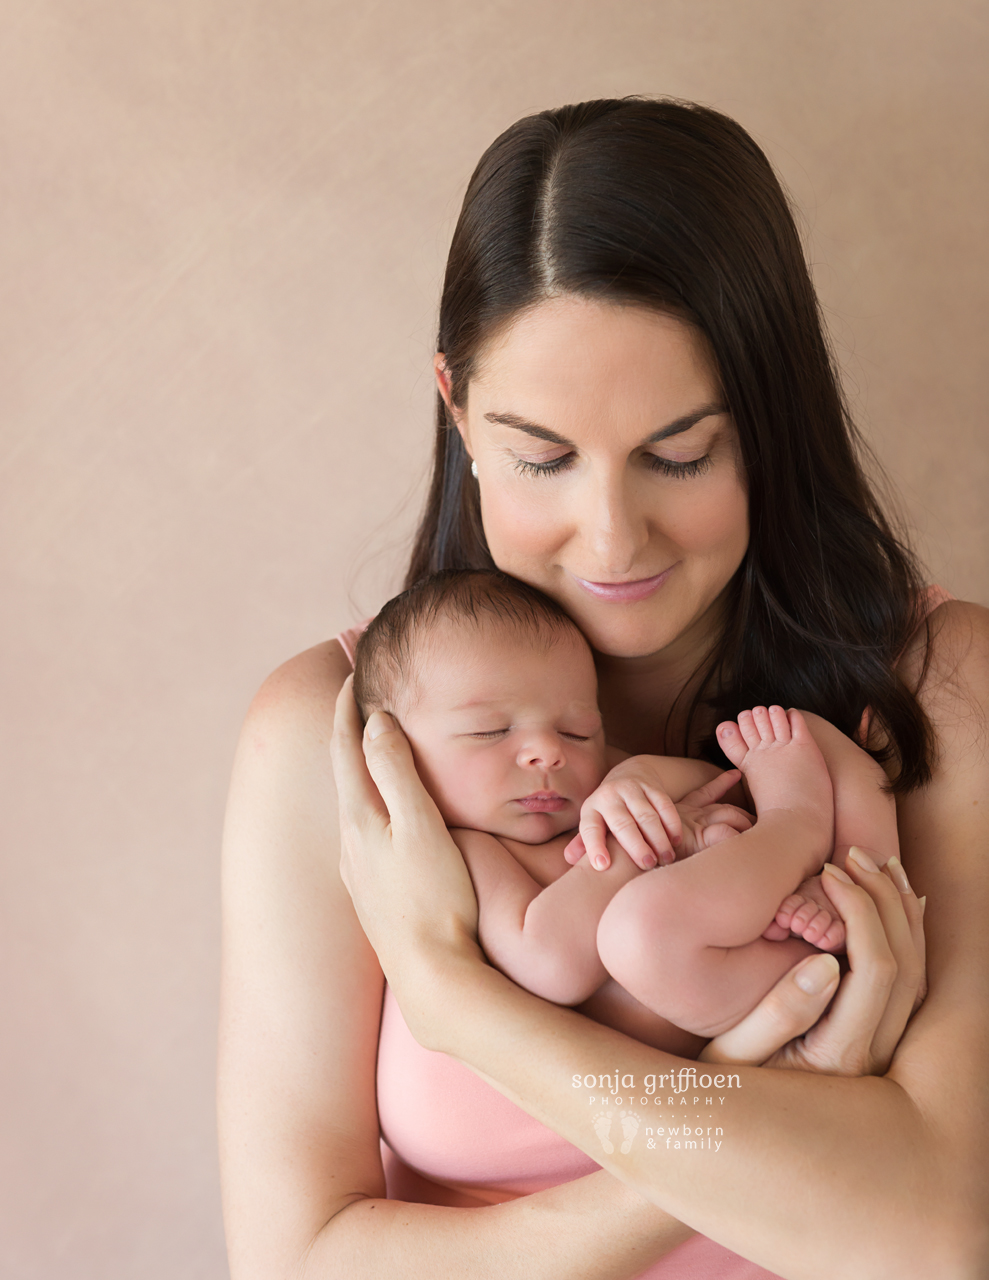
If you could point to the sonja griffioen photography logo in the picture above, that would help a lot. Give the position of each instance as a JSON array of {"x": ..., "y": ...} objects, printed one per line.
[{"x": 688, "y": 1115}]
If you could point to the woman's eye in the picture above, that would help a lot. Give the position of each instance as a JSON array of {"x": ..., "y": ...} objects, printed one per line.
[
  {"x": 666, "y": 466},
  {"x": 679, "y": 470},
  {"x": 525, "y": 468}
]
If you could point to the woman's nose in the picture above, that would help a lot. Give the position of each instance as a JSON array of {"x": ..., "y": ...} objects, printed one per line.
[
  {"x": 615, "y": 531},
  {"x": 544, "y": 751}
]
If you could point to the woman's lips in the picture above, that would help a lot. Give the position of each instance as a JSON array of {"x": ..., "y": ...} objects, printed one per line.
[
  {"x": 543, "y": 802},
  {"x": 625, "y": 591}
]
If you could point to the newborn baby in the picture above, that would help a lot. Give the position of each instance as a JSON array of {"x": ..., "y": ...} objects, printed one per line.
[{"x": 495, "y": 688}]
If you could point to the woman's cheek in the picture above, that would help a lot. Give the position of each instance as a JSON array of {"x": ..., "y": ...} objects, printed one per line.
[
  {"x": 521, "y": 528},
  {"x": 715, "y": 526}
]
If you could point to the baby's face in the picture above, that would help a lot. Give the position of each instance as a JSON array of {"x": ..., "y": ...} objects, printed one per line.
[{"x": 505, "y": 729}]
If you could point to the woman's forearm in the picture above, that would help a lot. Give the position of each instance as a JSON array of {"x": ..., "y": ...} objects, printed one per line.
[
  {"x": 596, "y": 1227},
  {"x": 815, "y": 1175}
]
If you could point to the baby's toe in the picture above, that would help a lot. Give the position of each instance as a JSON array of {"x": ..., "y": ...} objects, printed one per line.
[
  {"x": 803, "y": 916},
  {"x": 816, "y": 927},
  {"x": 775, "y": 932},
  {"x": 834, "y": 938},
  {"x": 787, "y": 907}
]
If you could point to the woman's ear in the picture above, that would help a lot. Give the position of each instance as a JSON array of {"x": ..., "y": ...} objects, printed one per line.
[
  {"x": 442, "y": 378},
  {"x": 445, "y": 389}
]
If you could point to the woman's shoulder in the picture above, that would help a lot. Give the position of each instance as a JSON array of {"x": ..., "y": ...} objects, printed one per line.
[
  {"x": 300, "y": 695},
  {"x": 952, "y": 627},
  {"x": 947, "y": 659}
]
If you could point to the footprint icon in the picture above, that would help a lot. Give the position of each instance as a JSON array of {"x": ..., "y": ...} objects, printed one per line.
[
  {"x": 601, "y": 1125},
  {"x": 630, "y": 1127}
]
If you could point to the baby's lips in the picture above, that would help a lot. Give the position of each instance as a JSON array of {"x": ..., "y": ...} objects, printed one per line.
[{"x": 544, "y": 802}]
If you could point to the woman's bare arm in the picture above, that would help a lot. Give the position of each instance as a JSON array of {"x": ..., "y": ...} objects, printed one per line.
[
  {"x": 818, "y": 1176},
  {"x": 303, "y": 1186}
]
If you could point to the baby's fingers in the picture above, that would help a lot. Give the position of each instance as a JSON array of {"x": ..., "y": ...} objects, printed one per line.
[
  {"x": 715, "y": 833},
  {"x": 638, "y": 830},
  {"x": 645, "y": 825},
  {"x": 712, "y": 791},
  {"x": 727, "y": 815},
  {"x": 592, "y": 835},
  {"x": 575, "y": 850},
  {"x": 659, "y": 819}
]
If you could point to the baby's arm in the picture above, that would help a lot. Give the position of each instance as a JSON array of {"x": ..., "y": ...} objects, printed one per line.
[
  {"x": 542, "y": 938},
  {"x": 638, "y": 803}
]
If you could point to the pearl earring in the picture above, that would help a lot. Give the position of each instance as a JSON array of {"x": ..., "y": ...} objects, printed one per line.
[{"x": 473, "y": 469}]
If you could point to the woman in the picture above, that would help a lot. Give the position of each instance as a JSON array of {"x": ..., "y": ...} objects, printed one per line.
[{"x": 639, "y": 415}]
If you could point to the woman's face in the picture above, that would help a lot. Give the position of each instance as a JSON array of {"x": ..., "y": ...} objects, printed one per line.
[{"x": 608, "y": 470}]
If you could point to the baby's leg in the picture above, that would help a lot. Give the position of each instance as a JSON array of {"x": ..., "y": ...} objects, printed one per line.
[
  {"x": 685, "y": 939},
  {"x": 865, "y": 814}
]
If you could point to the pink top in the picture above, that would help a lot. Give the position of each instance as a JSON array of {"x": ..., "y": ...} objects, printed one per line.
[{"x": 450, "y": 1139}]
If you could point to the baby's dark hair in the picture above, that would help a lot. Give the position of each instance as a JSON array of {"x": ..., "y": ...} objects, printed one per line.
[{"x": 385, "y": 651}]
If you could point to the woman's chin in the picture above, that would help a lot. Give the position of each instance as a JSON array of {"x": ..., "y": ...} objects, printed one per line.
[{"x": 623, "y": 638}]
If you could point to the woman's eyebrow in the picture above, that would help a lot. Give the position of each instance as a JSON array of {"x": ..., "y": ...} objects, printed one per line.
[
  {"x": 679, "y": 425},
  {"x": 530, "y": 428},
  {"x": 674, "y": 428}
]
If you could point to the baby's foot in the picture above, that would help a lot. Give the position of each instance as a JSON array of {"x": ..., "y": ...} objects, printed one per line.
[
  {"x": 809, "y": 913},
  {"x": 782, "y": 765}
]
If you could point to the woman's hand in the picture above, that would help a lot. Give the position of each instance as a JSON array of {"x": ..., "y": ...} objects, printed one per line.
[
  {"x": 885, "y": 985},
  {"x": 407, "y": 878}
]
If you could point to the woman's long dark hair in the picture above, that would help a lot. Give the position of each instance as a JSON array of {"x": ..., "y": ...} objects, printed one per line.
[{"x": 673, "y": 206}]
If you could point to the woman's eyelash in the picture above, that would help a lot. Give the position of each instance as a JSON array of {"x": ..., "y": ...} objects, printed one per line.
[
  {"x": 543, "y": 468},
  {"x": 679, "y": 470}
]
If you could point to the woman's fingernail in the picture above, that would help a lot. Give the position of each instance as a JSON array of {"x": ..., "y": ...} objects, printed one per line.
[
  {"x": 862, "y": 858},
  {"x": 898, "y": 874},
  {"x": 648, "y": 861},
  {"x": 837, "y": 872},
  {"x": 923, "y": 904},
  {"x": 816, "y": 973},
  {"x": 378, "y": 722},
  {"x": 600, "y": 862}
]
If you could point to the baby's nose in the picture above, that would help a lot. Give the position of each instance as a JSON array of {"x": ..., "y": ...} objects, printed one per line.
[{"x": 543, "y": 751}]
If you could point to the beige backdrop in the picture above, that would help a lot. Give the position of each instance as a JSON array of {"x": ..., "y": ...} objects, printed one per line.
[{"x": 222, "y": 228}]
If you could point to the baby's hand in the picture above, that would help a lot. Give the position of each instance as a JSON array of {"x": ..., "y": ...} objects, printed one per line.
[
  {"x": 632, "y": 805},
  {"x": 705, "y": 821}
]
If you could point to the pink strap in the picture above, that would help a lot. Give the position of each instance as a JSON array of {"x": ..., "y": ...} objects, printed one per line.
[
  {"x": 934, "y": 596},
  {"x": 348, "y": 639}
]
